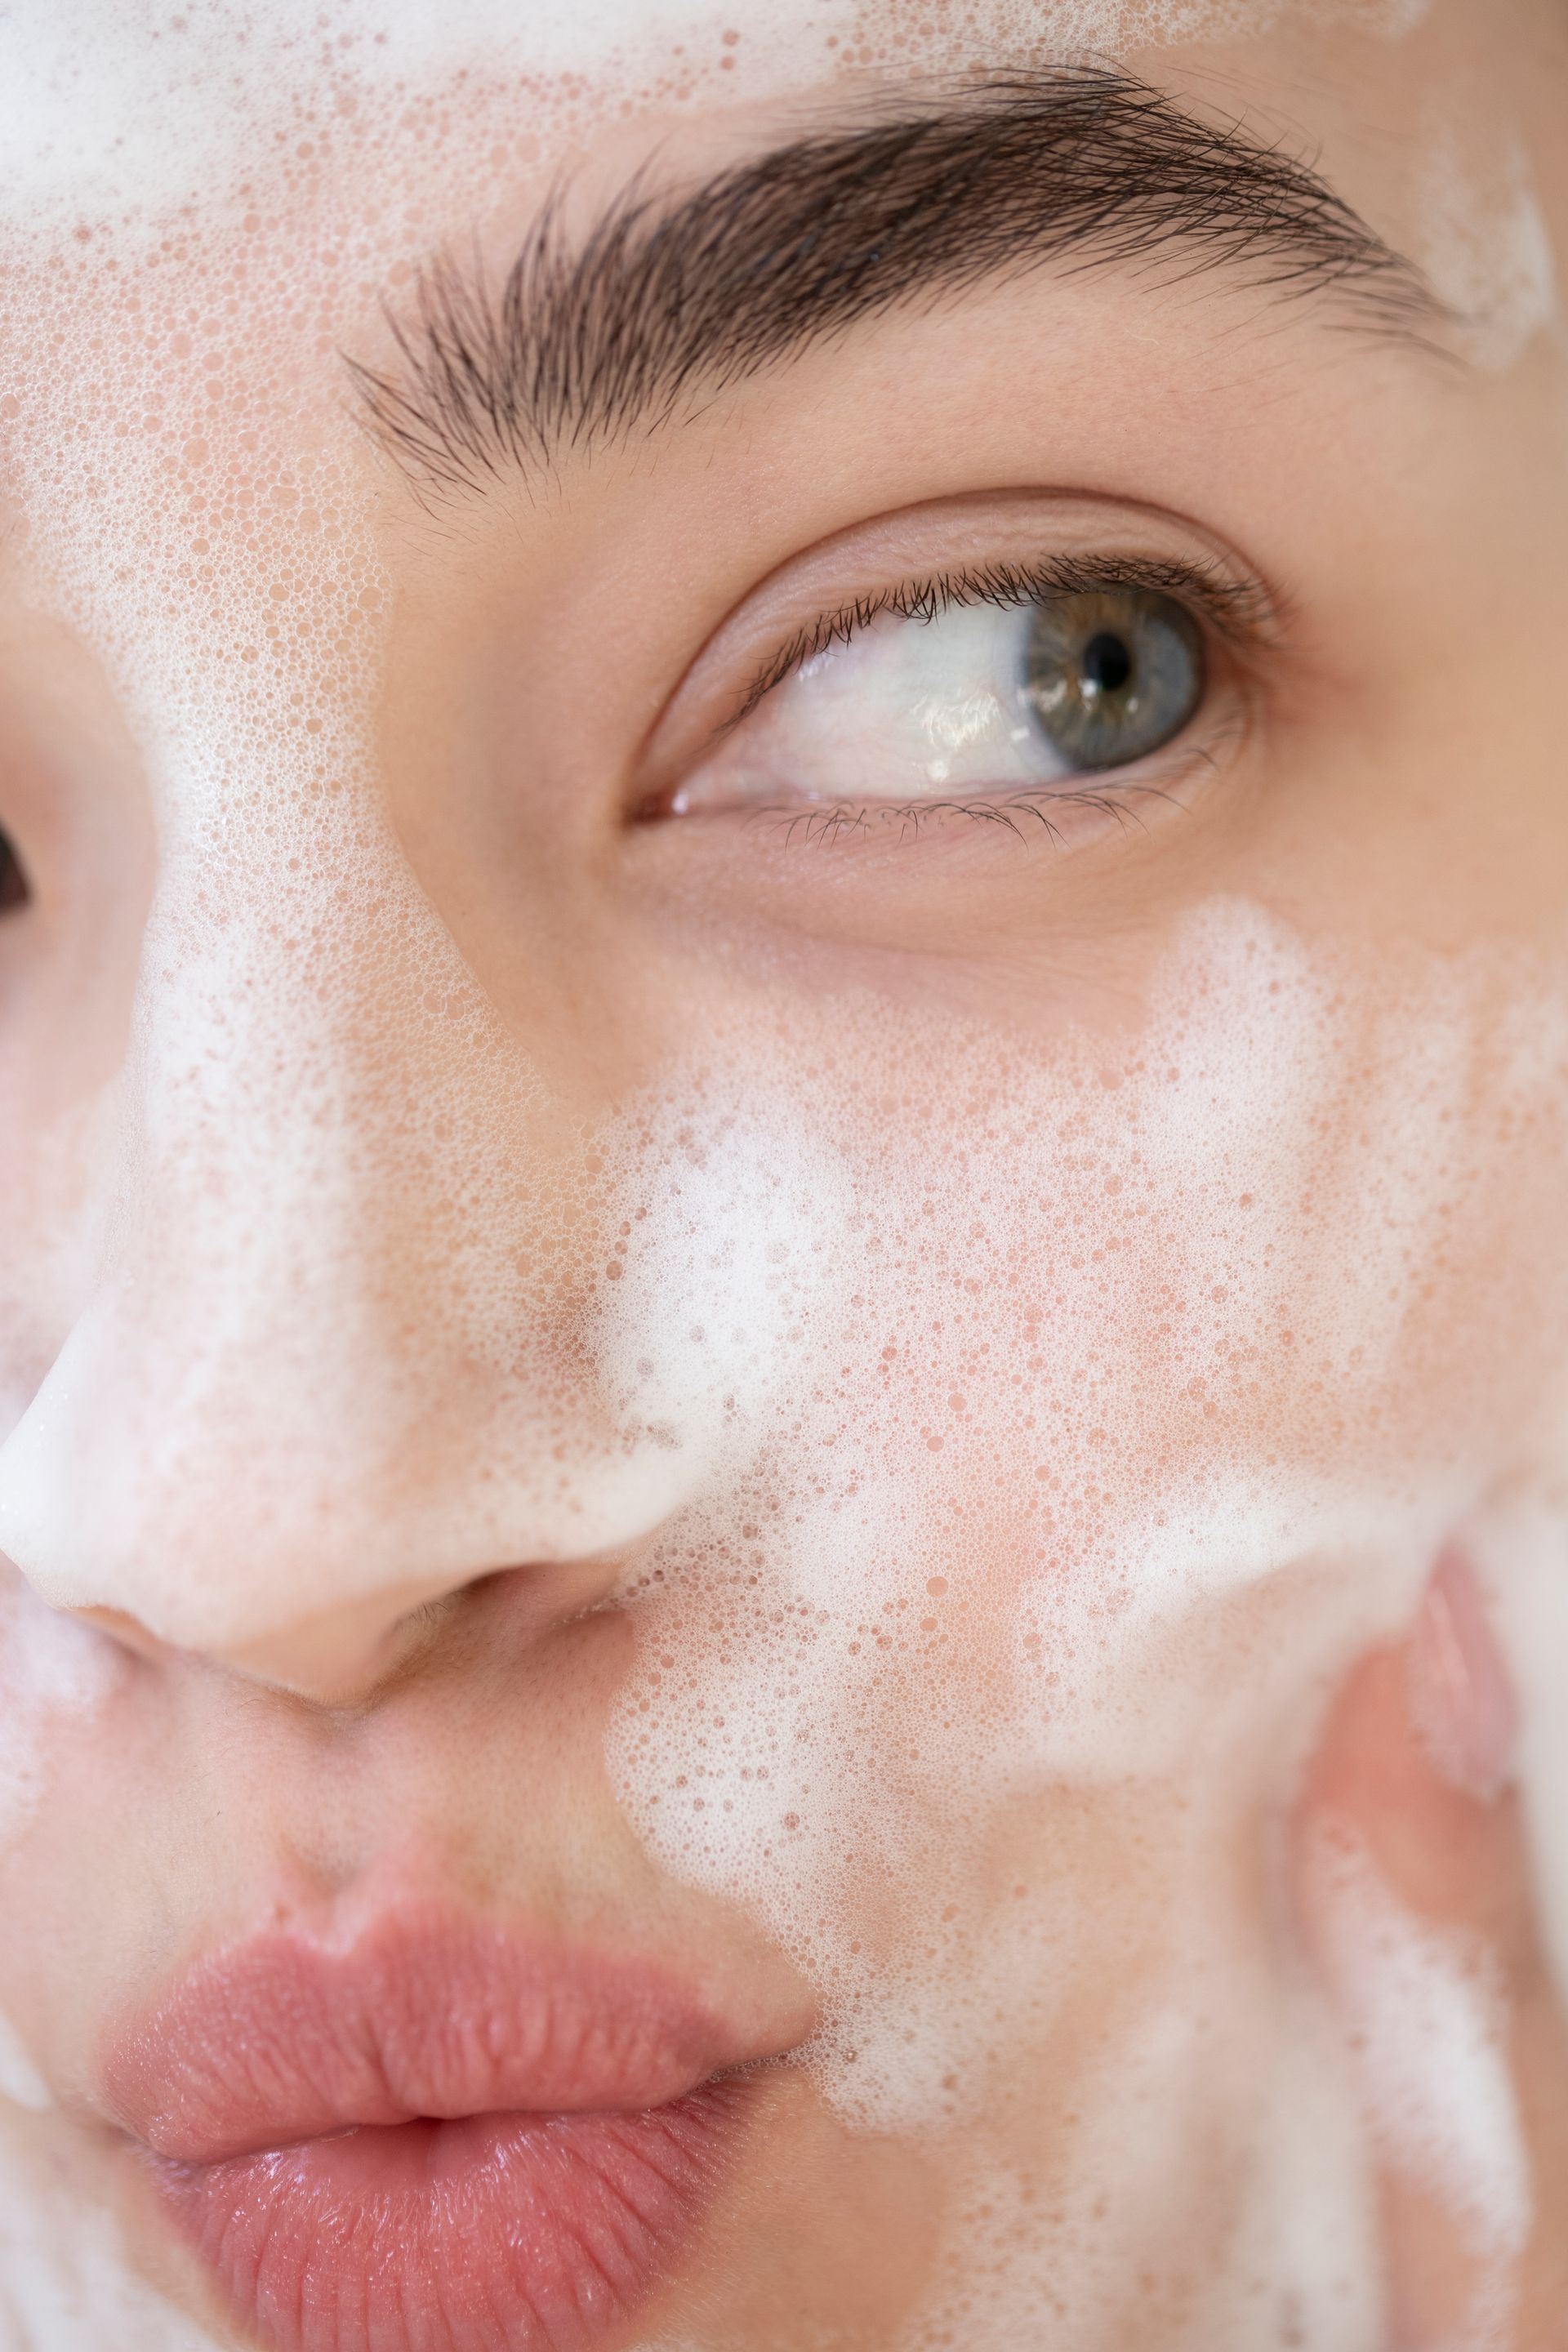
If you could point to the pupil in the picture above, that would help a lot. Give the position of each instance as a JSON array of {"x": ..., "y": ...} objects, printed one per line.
[{"x": 1106, "y": 664}]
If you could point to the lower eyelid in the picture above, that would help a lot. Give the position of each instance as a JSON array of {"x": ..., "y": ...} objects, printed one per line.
[{"x": 1046, "y": 813}]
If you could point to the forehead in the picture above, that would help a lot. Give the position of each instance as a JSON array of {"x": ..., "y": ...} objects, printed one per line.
[
  {"x": 207, "y": 211},
  {"x": 105, "y": 105},
  {"x": 335, "y": 149}
]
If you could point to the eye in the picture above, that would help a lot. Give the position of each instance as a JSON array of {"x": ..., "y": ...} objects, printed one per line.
[
  {"x": 1112, "y": 676},
  {"x": 14, "y": 890},
  {"x": 983, "y": 688}
]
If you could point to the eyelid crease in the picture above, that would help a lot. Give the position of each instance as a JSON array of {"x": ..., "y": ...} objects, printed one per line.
[{"x": 1242, "y": 611}]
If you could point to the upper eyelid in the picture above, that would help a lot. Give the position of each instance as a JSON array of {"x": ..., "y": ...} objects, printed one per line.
[{"x": 1247, "y": 615}]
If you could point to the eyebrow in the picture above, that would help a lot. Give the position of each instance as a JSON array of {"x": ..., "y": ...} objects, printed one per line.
[{"x": 669, "y": 299}]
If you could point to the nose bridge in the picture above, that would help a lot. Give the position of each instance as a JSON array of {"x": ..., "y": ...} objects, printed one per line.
[{"x": 299, "y": 1383}]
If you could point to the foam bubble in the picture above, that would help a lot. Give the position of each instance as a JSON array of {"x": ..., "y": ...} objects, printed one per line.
[
  {"x": 1019, "y": 1585},
  {"x": 56, "y": 1672},
  {"x": 20, "y": 2081},
  {"x": 107, "y": 105},
  {"x": 1428, "y": 2026}
]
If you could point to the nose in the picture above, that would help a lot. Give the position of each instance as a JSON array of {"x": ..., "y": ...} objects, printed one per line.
[
  {"x": 341, "y": 1659},
  {"x": 345, "y": 1657},
  {"x": 310, "y": 1397}
]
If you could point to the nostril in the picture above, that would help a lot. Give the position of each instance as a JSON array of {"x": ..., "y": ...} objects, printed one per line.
[
  {"x": 349, "y": 1656},
  {"x": 342, "y": 1660},
  {"x": 14, "y": 890},
  {"x": 127, "y": 1632}
]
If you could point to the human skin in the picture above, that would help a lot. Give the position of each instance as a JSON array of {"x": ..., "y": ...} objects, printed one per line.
[{"x": 328, "y": 1705}]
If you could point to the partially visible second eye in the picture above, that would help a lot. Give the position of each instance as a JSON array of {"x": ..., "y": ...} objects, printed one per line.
[
  {"x": 1014, "y": 698},
  {"x": 13, "y": 892},
  {"x": 1113, "y": 674}
]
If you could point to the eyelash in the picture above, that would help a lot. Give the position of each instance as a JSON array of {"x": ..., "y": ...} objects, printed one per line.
[
  {"x": 1240, "y": 612},
  {"x": 818, "y": 825}
]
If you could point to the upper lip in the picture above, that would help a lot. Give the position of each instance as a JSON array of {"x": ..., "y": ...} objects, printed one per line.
[{"x": 424, "y": 2014}]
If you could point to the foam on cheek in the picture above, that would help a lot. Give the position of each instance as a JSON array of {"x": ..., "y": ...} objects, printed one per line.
[
  {"x": 64, "y": 2282},
  {"x": 1521, "y": 1547},
  {"x": 1427, "y": 2023},
  {"x": 970, "y": 1416},
  {"x": 312, "y": 1059},
  {"x": 55, "y": 1676},
  {"x": 20, "y": 2081},
  {"x": 1081, "y": 1418}
]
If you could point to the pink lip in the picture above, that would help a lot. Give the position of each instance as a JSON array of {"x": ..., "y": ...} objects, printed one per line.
[{"x": 442, "y": 2138}]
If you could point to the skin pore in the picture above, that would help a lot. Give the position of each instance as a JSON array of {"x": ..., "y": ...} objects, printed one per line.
[{"x": 920, "y": 1387}]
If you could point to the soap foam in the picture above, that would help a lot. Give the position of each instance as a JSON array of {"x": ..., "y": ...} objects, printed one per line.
[
  {"x": 1428, "y": 2023},
  {"x": 1484, "y": 243},
  {"x": 64, "y": 2280},
  {"x": 20, "y": 2081},
  {"x": 57, "y": 1674},
  {"x": 988, "y": 1584},
  {"x": 115, "y": 110}
]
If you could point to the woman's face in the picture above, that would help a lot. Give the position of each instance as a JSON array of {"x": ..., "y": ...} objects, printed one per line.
[{"x": 783, "y": 1007}]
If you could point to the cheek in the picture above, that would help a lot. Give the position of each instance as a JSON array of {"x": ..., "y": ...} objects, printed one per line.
[
  {"x": 55, "y": 1676},
  {"x": 58, "y": 1679},
  {"x": 1062, "y": 1428}
]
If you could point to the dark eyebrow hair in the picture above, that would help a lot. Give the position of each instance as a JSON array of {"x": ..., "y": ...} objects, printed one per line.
[{"x": 670, "y": 298}]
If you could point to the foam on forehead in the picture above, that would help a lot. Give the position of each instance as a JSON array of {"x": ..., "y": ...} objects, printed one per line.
[{"x": 105, "y": 103}]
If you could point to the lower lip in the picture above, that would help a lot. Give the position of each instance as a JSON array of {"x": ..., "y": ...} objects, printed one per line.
[{"x": 489, "y": 2233}]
